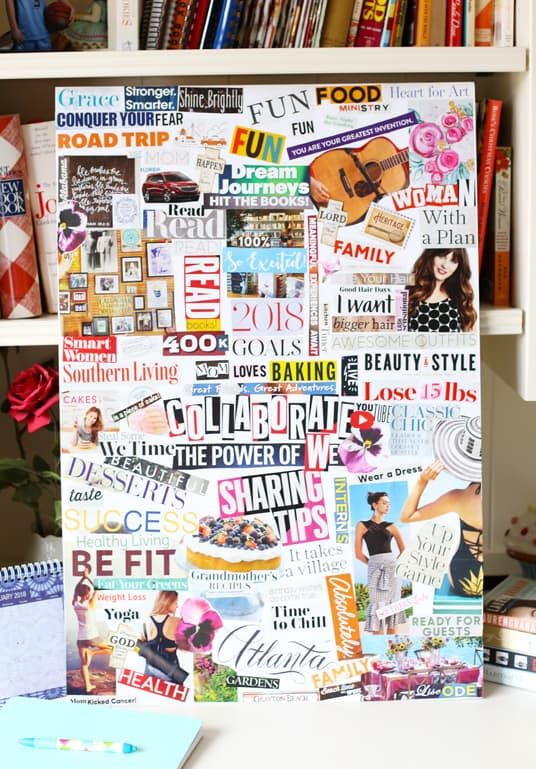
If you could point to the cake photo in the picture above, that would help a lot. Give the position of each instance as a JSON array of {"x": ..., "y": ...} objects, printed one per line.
[
  {"x": 234, "y": 544},
  {"x": 520, "y": 541}
]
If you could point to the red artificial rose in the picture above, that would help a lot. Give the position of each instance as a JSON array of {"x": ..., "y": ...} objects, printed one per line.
[{"x": 32, "y": 394}]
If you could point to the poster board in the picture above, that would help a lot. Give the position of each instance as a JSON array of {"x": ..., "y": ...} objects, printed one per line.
[{"x": 271, "y": 437}]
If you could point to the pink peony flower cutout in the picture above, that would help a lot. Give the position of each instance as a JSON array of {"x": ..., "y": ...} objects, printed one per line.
[
  {"x": 448, "y": 161},
  {"x": 450, "y": 119},
  {"x": 423, "y": 139}
]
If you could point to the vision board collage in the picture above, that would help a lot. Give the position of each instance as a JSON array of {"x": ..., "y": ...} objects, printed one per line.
[{"x": 270, "y": 393}]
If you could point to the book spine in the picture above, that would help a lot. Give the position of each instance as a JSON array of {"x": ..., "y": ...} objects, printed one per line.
[
  {"x": 513, "y": 623},
  {"x": 336, "y": 23},
  {"x": 502, "y": 224},
  {"x": 521, "y": 679},
  {"x": 225, "y": 15},
  {"x": 317, "y": 32},
  {"x": 354, "y": 23},
  {"x": 198, "y": 23},
  {"x": 155, "y": 24},
  {"x": 144, "y": 25},
  {"x": 422, "y": 31},
  {"x": 123, "y": 25},
  {"x": 40, "y": 151},
  {"x": 487, "y": 168},
  {"x": 503, "y": 23},
  {"x": 510, "y": 659},
  {"x": 177, "y": 25},
  {"x": 371, "y": 24},
  {"x": 438, "y": 23},
  {"x": 484, "y": 22},
  {"x": 19, "y": 282},
  {"x": 410, "y": 24},
  {"x": 454, "y": 25},
  {"x": 469, "y": 23},
  {"x": 388, "y": 24},
  {"x": 513, "y": 640},
  {"x": 400, "y": 19}
]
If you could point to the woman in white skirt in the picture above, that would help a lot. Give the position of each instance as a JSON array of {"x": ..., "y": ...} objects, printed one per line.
[{"x": 384, "y": 587}]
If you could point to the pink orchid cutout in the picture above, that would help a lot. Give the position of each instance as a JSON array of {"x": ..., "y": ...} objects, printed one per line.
[{"x": 197, "y": 626}]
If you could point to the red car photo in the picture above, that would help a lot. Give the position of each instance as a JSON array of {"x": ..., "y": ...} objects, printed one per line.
[{"x": 167, "y": 186}]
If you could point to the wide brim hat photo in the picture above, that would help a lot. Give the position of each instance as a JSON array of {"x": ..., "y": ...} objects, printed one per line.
[{"x": 457, "y": 444}]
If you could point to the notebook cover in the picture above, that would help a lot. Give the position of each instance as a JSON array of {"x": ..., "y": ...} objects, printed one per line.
[{"x": 161, "y": 741}]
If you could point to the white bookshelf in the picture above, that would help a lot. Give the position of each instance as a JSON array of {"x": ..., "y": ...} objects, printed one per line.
[
  {"x": 262, "y": 62},
  {"x": 45, "y": 330}
]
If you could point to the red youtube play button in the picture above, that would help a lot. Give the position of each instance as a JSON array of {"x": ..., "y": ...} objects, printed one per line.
[{"x": 361, "y": 420}]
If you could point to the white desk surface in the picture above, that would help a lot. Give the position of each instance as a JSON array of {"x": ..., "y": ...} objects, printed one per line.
[{"x": 494, "y": 732}]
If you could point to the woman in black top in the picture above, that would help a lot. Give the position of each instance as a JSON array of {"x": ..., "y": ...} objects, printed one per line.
[
  {"x": 441, "y": 298},
  {"x": 159, "y": 635},
  {"x": 384, "y": 587}
]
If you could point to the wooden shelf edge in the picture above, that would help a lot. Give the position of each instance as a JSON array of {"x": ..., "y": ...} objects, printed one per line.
[
  {"x": 258, "y": 61},
  {"x": 42, "y": 331}
]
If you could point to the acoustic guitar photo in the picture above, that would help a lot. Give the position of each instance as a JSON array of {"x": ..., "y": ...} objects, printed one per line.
[{"x": 359, "y": 177}]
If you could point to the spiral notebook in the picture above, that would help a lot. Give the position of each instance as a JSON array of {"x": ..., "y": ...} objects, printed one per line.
[{"x": 32, "y": 641}]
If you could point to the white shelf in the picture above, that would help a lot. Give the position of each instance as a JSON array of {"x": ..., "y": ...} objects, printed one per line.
[
  {"x": 31, "y": 332},
  {"x": 35, "y": 332},
  {"x": 258, "y": 61}
]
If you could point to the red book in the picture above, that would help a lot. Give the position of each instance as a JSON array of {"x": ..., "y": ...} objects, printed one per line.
[
  {"x": 454, "y": 30},
  {"x": 369, "y": 32},
  {"x": 486, "y": 168},
  {"x": 197, "y": 26}
]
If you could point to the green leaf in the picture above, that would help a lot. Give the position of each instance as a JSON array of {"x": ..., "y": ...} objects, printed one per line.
[
  {"x": 4, "y": 408},
  {"x": 49, "y": 475},
  {"x": 16, "y": 462},
  {"x": 57, "y": 513},
  {"x": 40, "y": 464},
  {"x": 28, "y": 494},
  {"x": 14, "y": 475}
]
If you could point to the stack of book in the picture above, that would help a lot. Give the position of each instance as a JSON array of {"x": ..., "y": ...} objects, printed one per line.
[
  {"x": 510, "y": 633},
  {"x": 177, "y": 24}
]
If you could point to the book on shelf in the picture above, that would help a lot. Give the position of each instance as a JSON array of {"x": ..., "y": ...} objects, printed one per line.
[
  {"x": 369, "y": 31},
  {"x": 422, "y": 27},
  {"x": 337, "y": 18},
  {"x": 354, "y": 23},
  {"x": 469, "y": 10},
  {"x": 438, "y": 23},
  {"x": 454, "y": 23},
  {"x": 399, "y": 22},
  {"x": 40, "y": 150},
  {"x": 228, "y": 24},
  {"x": 495, "y": 280},
  {"x": 32, "y": 653},
  {"x": 484, "y": 22},
  {"x": 19, "y": 276},
  {"x": 503, "y": 23},
  {"x": 123, "y": 25},
  {"x": 490, "y": 124}
]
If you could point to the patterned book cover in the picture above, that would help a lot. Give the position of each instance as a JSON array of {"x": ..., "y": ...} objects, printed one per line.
[
  {"x": 32, "y": 652},
  {"x": 40, "y": 152},
  {"x": 19, "y": 281}
]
